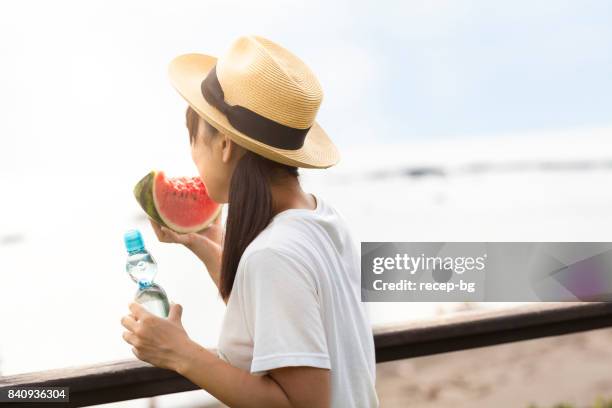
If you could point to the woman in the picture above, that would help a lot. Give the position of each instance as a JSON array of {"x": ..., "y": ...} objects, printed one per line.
[{"x": 295, "y": 333}]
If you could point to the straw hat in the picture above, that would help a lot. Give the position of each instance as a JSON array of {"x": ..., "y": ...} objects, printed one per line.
[{"x": 261, "y": 96}]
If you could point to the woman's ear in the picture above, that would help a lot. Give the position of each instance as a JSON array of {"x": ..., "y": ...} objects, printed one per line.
[
  {"x": 226, "y": 149},
  {"x": 229, "y": 149}
]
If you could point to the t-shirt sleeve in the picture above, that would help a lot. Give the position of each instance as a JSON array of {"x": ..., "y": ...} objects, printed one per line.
[{"x": 282, "y": 313}]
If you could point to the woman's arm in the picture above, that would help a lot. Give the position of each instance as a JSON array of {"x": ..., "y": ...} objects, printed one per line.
[
  {"x": 291, "y": 387},
  {"x": 165, "y": 344},
  {"x": 206, "y": 245}
]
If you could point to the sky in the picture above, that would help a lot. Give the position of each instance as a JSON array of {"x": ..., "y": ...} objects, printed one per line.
[{"x": 82, "y": 82}]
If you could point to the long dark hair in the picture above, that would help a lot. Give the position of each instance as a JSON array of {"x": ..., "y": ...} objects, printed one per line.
[{"x": 250, "y": 206}]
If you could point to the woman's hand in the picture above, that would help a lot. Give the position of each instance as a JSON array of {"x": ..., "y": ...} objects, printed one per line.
[
  {"x": 206, "y": 245},
  {"x": 161, "y": 342}
]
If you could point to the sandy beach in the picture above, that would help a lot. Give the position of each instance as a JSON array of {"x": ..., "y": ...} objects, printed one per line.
[{"x": 572, "y": 368}]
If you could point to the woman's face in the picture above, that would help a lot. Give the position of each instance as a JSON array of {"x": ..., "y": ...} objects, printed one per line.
[{"x": 215, "y": 156}]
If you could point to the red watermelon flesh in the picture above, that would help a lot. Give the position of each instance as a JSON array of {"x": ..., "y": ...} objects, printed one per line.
[{"x": 183, "y": 203}]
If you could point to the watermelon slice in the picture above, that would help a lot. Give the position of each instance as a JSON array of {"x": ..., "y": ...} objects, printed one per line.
[{"x": 181, "y": 203}]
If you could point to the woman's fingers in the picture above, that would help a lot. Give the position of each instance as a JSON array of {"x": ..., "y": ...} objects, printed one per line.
[
  {"x": 129, "y": 322},
  {"x": 205, "y": 238},
  {"x": 172, "y": 236},
  {"x": 138, "y": 310},
  {"x": 165, "y": 234},
  {"x": 217, "y": 220},
  {"x": 158, "y": 231},
  {"x": 129, "y": 337},
  {"x": 137, "y": 353}
]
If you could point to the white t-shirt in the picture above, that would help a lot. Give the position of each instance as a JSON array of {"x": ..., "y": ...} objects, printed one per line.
[{"x": 296, "y": 301}]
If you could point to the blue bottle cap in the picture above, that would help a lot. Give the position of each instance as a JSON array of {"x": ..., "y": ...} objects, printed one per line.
[{"x": 133, "y": 240}]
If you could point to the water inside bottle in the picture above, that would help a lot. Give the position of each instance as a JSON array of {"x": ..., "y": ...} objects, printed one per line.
[
  {"x": 154, "y": 299},
  {"x": 142, "y": 268}
]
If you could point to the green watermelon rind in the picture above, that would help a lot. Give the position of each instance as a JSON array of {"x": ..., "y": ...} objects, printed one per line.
[{"x": 143, "y": 191}]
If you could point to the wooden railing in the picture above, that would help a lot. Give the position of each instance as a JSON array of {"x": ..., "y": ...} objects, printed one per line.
[{"x": 132, "y": 378}]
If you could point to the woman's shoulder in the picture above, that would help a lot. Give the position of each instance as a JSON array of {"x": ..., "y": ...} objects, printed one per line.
[
  {"x": 278, "y": 237},
  {"x": 298, "y": 232},
  {"x": 272, "y": 262}
]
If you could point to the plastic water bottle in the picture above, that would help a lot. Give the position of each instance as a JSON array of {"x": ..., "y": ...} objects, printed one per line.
[{"x": 142, "y": 269}]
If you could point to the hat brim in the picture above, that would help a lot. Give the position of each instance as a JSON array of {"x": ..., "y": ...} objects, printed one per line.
[{"x": 186, "y": 74}]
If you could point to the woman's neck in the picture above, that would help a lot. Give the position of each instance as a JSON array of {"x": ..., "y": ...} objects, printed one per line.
[{"x": 288, "y": 194}]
